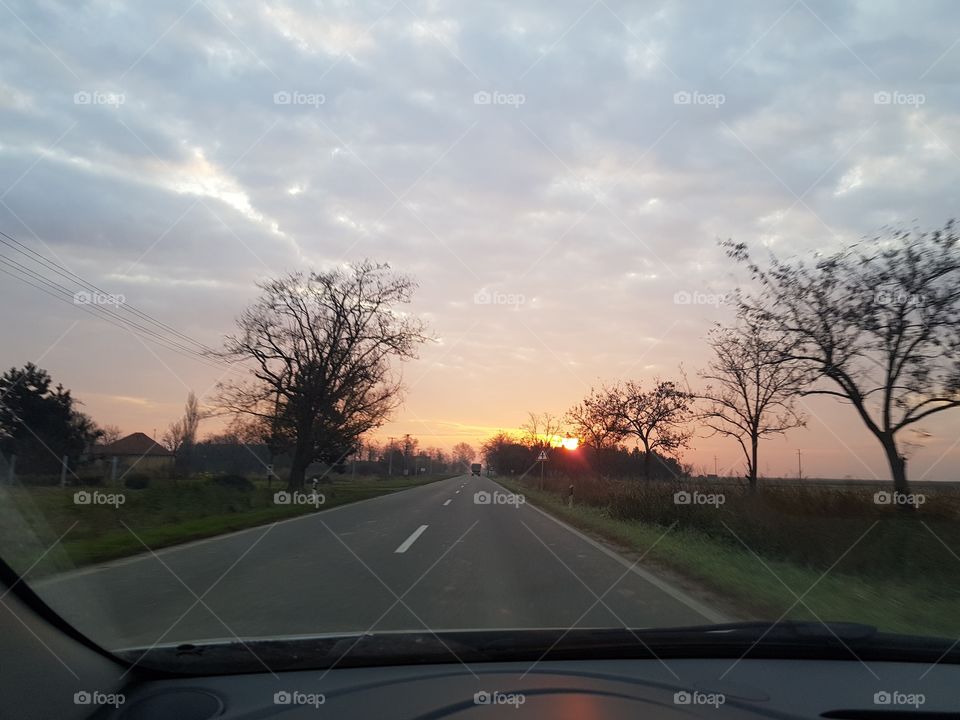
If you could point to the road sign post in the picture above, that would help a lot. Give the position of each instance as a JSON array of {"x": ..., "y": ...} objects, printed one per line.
[{"x": 542, "y": 459}]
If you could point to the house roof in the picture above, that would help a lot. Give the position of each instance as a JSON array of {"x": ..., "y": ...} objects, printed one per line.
[{"x": 137, "y": 443}]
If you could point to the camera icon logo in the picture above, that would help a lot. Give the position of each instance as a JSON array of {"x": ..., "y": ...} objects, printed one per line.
[
  {"x": 482, "y": 497},
  {"x": 282, "y": 497}
]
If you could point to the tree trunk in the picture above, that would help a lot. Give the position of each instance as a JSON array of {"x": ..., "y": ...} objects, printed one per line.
[
  {"x": 754, "y": 442},
  {"x": 646, "y": 462},
  {"x": 302, "y": 455},
  {"x": 898, "y": 470}
]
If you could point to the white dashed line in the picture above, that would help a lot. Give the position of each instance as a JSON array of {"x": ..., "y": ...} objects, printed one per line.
[
  {"x": 448, "y": 502},
  {"x": 411, "y": 540}
]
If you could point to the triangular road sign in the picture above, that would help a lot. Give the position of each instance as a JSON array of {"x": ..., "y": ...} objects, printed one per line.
[{"x": 543, "y": 456}]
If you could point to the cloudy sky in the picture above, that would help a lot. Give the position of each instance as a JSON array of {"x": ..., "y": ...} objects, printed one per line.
[{"x": 555, "y": 175}]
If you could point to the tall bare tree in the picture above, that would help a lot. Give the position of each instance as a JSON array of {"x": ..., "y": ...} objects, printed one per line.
[
  {"x": 879, "y": 324},
  {"x": 181, "y": 435},
  {"x": 319, "y": 348},
  {"x": 751, "y": 389}
]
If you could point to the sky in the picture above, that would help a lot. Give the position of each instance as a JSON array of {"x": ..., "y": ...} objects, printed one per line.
[{"x": 555, "y": 176}]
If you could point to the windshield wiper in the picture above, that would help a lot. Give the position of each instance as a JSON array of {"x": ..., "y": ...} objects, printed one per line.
[{"x": 790, "y": 639}]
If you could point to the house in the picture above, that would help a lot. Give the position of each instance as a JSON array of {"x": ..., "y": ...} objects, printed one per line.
[{"x": 137, "y": 453}]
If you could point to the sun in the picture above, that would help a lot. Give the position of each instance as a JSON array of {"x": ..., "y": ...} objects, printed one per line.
[{"x": 570, "y": 443}]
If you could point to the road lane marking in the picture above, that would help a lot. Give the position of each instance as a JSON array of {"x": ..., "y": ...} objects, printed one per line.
[
  {"x": 448, "y": 502},
  {"x": 410, "y": 540}
]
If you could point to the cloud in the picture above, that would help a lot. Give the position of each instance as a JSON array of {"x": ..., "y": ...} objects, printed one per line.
[{"x": 253, "y": 140}]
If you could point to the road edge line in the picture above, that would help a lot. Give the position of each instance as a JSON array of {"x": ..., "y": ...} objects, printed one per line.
[{"x": 679, "y": 595}]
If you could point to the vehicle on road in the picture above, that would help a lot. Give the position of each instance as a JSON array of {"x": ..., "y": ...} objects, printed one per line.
[{"x": 475, "y": 469}]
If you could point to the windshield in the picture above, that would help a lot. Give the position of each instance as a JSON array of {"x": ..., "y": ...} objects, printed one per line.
[{"x": 404, "y": 319}]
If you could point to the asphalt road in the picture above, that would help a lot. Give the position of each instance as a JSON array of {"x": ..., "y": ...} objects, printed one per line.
[{"x": 426, "y": 558}]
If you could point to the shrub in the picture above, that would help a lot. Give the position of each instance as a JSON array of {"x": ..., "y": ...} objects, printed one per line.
[
  {"x": 234, "y": 482},
  {"x": 136, "y": 481}
]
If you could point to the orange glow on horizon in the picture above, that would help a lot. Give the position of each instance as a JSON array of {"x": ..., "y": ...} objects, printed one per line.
[{"x": 570, "y": 443}]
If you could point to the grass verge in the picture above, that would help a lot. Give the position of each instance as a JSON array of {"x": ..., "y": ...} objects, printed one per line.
[
  {"x": 42, "y": 530},
  {"x": 764, "y": 588}
]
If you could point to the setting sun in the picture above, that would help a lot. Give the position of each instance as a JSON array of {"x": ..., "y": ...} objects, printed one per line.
[{"x": 570, "y": 443}]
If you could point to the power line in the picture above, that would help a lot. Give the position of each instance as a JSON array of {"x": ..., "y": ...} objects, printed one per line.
[
  {"x": 100, "y": 312},
  {"x": 70, "y": 275},
  {"x": 66, "y": 294},
  {"x": 117, "y": 322}
]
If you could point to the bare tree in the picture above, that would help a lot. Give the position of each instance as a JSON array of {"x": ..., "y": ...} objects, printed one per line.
[
  {"x": 110, "y": 434},
  {"x": 172, "y": 438},
  {"x": 659, "y": 418},
  {"x": 181, "y": 435},
  {"x": 879, "y": 326},
  {"x": 319, "y": 347},
  {"x": 463, "y": 454},
  {"x": 751, "y": 391},
  {"x": 595, "y": 423},
  {"x": 540, "y": 430},
  {"x": 410, "y": 445}
]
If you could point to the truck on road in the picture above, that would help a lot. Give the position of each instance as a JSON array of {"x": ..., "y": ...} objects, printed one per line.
[{"x": 475, "y": 469}]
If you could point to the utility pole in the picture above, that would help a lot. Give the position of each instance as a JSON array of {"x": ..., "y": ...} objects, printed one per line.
[
  {"x": 390, "y": 455},
  {"x": 716, "y": 468},
  {"x": 799, "y": 466}
]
